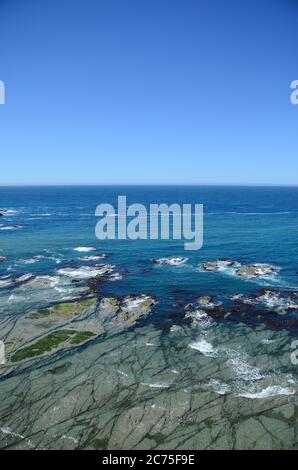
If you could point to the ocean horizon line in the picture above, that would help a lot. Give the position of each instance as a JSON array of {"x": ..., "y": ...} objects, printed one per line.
[{"x": 101, "y": 185}]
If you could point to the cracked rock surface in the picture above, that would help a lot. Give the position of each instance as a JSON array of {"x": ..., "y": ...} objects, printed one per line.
[{"x": 133, "y": 386}]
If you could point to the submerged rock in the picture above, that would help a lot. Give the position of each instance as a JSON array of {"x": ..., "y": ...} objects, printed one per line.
[
  {"x": 120, "y": 314},
  {"x": 136, "y": 302},
  {"x": 255, "y": 270},
  {"x": 2, "y": 212},
  {"x": 94, "y": 257},
  {"x": 205, "y": 299},
  {"x": 248, "y": 271},
  {"x": 40, "y": 282},
  {"x": 219, "y": 264},
  {"x": 142, "y": 389},
  {"x": 272, "y": 299},
  {"x": 172, "y": 261},
  {"x": 87, "y": 272},
  {"x": 265, "y": 307}
]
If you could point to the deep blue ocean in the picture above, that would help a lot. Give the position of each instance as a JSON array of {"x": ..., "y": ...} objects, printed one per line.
[{"x": 248, "y": 224}]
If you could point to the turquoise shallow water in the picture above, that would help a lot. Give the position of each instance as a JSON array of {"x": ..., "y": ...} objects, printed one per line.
[{"x": 232, "y": 354}]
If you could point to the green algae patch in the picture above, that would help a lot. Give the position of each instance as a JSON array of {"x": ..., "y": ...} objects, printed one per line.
[
  {"x": 40, "y": 313},
  {"x": 65, "y": 308},
  {"x": 146, "y": 304},
  {"x": 43, "y": 345},
  {"x": 51, "y": 341},
  {"x": 81, "y": 337}
]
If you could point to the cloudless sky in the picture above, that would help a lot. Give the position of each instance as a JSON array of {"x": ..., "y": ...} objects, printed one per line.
[{"x": 148, "y": 91}]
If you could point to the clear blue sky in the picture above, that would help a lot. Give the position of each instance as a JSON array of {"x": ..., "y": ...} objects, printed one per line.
[{"x": 148, "y": 91}]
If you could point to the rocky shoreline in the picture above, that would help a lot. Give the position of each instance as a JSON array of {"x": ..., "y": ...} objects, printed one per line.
[
  {"x": 97, "y": 371},
  {"x": 248, "y": 271}
]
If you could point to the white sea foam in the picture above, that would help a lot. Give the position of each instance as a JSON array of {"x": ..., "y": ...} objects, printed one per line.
[
  {"x": 244, "y": 371},
  {"x": 276, "y": 301},
  {"x": 252, "y": 391},
  {"x": 93, "y": 257},
  {"x": 175, "y": 328},
  {"x": 10, "y": 212},
  {"x": 264, "y": 280},
  {"x": 86, "y": 272},
  {"x": 238, "y": 362},
  {"x": 270, "y": 391},
  {"x": 41, "y": 282},
  {"x": 132, "y": 303},
  {"x": 5, "y": 282},
  {"x": 10, "y": 432},
  {"x": 248, "y": 381},
  {"x": 156, "y": 385},
  {"x": 10, "y": 227},
  {"x": 172, "y": 261},
  {"x": 24, "y": 277},
  {"x": 115, "y": 277},
  {"x": 79, "y": 273},
  {"x": 38, "y": 291},
  {"x": 122, "y": 373},
  {"x": 84, "y": 249},
  {"x": 70, "y": 438},
  {"x": 32, "y": 260},
  {"x": 204, "y": 347},
  {"x": 219, "y": 387},
  {"x": 200, "y": 318}
]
